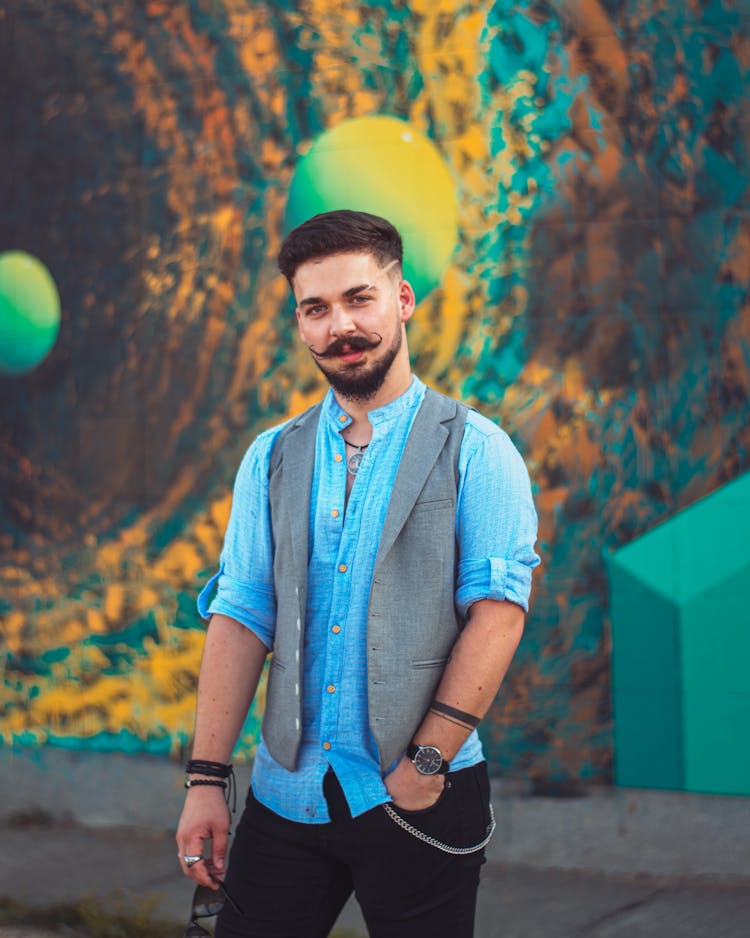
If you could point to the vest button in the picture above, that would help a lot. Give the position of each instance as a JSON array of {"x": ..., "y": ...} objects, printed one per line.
[
  {"x": 342, "y": 418},
  {"x": 331, "y": 689},
  {"x": 326, "y": 746},
  {"x": 336, "y": 629},
  {"x": 338, "y": 457},
  {"x": 343, "y": 568},
  {"x": 335, "y": 513}
]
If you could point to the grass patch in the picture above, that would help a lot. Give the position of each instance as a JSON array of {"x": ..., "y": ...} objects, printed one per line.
[
  {"x": 114, "y": 917},
  {"x": 117, "y": 916}
]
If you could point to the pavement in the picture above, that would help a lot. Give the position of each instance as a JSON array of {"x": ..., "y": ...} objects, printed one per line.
[
  {"x": 44, "y": 864},
  {"x": 607, "y": 863}
]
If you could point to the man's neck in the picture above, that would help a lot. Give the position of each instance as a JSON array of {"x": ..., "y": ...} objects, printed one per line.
[{"x": 358, "y": 410}]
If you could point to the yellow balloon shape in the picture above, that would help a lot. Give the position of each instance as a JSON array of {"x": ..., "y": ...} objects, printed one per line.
[{"x": 384, "y": 166}]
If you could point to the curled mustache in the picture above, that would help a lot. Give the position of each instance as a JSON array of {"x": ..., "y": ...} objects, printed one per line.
[{"x": 356, "y": 343}]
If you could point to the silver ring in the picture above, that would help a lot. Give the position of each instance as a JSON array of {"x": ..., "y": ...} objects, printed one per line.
[{"x": 191, "y": 861}]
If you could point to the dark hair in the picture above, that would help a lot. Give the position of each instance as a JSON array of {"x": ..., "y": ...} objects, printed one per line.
[{"x": 340, "y": 232}]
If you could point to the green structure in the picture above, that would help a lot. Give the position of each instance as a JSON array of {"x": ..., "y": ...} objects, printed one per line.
[{"x": 681, "y": 648}]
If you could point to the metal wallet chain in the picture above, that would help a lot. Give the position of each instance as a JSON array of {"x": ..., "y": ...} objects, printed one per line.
[{"x": 425, "y": 838}]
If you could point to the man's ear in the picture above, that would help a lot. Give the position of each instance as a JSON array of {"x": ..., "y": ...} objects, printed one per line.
[
  {"x": 407, "y": 300},
  {"x": 300, "y": 326}
]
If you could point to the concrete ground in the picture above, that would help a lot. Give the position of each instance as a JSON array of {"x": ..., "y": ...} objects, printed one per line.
[
  {"x": 50, "y": 863},
  {"x": 612, "y": 863}
]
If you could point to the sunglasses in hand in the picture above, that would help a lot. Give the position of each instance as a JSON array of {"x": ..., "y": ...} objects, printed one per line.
[{"x": 207, "y": 903}]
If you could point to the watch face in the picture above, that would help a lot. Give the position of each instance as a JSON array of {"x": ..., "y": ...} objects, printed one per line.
[{"x": 428, "y": 760}]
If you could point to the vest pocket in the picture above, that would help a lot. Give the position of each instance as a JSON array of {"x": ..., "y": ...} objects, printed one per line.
[
  {"x": 432, "y": 504},
  {"x": 429, "y": 663}
]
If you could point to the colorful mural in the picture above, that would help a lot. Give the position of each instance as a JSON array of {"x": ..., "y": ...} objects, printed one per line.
[{"x": 596, "y": 305}]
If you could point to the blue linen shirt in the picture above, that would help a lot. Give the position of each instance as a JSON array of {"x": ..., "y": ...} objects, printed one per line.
[{"x": 495, "y": 529}]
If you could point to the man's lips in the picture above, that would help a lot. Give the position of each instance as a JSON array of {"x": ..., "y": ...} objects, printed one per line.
[
  {"x": 350, "y": 355},
  {"x": 350, "y": 350}
]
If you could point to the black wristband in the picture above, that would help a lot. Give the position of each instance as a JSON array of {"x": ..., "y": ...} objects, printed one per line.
[
  {"x": 205, "y": 767},
  {"x": 220, "y": 775}
]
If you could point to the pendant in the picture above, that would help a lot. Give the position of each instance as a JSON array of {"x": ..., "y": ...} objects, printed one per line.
[{"x": 354, "y": 461}]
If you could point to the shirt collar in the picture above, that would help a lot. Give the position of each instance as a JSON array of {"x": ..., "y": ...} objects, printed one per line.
[{"x": 382, "y": 415}]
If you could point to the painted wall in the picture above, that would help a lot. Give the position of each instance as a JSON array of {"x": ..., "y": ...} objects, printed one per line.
[{"x": 596, "y": 305}]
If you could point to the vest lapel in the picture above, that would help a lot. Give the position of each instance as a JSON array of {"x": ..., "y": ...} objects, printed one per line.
[
  {"x": 426, "y": 440},
  {"x": 299, "y": 458}
]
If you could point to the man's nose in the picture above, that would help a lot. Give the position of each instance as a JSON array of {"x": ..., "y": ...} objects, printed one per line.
[{"x": 341, "y": 320}]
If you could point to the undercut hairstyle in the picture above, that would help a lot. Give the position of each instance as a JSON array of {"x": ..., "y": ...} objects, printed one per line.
[{"x": 340, "y": 232}]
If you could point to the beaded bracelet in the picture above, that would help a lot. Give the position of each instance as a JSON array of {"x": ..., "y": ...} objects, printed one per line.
[
  {"x": 220, "y": 775},
  {"x": 216, "y": 782}
]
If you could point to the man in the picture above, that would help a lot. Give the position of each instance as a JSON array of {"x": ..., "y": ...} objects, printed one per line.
[{"x": 381, "y": 545}]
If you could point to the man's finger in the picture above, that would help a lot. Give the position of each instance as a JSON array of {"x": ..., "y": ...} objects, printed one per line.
[
  {"x": 200, "y": 872},
  {"x": 188, "y": 857},
  {"x": 193, "y": 862},
  {"x": 219, "y": 852}
]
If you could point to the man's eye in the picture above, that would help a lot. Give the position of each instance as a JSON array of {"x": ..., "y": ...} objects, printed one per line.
[{"x": 361, "y": 298}]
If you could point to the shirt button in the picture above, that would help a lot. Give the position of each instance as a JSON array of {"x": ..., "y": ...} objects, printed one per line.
[
  {"x": 331, "y": 689},
  {"x": 335, "y": 513},
  {"x": 343, "y": 568},
  {"x": 326, "y": 746},
  {"x": 342, "y": 418},
  {"x": 336, "y": 629},
  {"x": 338, "y": 457}
]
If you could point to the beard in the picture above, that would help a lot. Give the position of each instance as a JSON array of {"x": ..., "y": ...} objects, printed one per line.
[{"x": 361, "y": 382}]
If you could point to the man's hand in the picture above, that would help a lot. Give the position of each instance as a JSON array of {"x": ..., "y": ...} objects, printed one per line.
[
  {"x": 233, "y": 659},
  {"x": 411, "y": 790},
  {"x": 205, "y": 817}
]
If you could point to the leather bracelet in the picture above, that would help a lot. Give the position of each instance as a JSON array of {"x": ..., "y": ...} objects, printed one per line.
[
  {"x": 220, "y": 775},
  {"x": 206, "y": 767}
]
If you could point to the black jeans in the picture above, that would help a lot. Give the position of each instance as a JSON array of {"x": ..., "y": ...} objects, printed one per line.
[{"x": 291, "y": 880}]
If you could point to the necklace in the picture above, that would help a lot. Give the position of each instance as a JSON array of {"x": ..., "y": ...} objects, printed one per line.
[{"x": 353, "y": 462}]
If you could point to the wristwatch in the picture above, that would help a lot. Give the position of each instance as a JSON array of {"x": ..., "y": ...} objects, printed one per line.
[{"x": 428, "y": 760}]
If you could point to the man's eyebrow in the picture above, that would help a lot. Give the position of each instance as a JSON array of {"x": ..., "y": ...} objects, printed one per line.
[
  {"x": 310, "y": 301},
  {"x": 352, "y": 291}
]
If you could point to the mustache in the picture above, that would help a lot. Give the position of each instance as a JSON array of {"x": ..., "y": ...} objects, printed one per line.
[{"x": 355, "y": 343}]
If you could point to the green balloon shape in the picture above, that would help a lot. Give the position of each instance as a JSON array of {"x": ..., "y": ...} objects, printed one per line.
[
  {"x": 384, "y": 166},
  {"x": 29, "y": 312}
]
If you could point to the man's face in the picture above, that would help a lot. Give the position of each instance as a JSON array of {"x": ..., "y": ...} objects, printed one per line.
[{"x": 350, "y": 313}]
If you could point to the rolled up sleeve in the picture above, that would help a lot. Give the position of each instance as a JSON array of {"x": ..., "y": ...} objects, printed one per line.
[
  {"x": 496, "y": 522},
  {"x": 242, "y": 588}
]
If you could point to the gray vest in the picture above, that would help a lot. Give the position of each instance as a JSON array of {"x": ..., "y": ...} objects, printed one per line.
[{"x": 412, "y": 622}]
